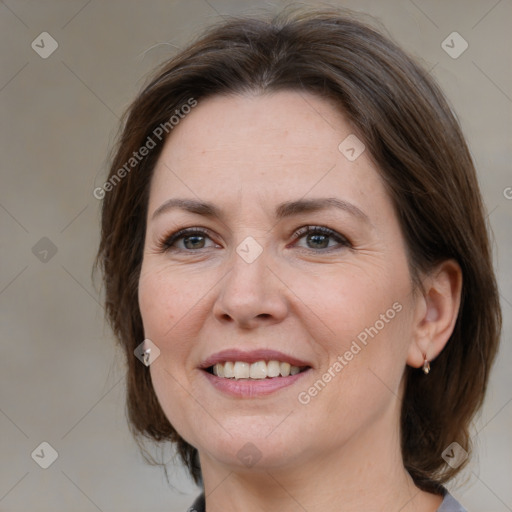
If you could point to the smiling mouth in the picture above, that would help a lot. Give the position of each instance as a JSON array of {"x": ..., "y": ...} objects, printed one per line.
[{"x": 259, "y": 370}]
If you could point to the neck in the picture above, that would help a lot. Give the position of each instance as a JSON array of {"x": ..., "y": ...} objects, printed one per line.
[{"x": 366, "y": 473}]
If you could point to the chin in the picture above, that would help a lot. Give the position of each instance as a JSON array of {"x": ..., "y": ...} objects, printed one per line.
[{"x": 253, "y": 444}]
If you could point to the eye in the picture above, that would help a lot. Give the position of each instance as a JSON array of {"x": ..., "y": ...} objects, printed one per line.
[
  {"x": 189, "y": 238},
  {"x": 319, "y": 238}
]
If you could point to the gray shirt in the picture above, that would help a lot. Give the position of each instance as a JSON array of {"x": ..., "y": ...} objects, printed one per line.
[{"x": 449, "y": 504}]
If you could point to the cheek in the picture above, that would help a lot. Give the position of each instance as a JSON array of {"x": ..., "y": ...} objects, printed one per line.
[
  {"x": 360, "y": 383},
  {"x": 156, "y": 304},
  {"x": 167, "y": 317},
  {"x": 165, "y": 309},
  {"x": 355, "y": 300},
  {"x": 363, "y": 324},
  {"x": 165, "y": 299}
]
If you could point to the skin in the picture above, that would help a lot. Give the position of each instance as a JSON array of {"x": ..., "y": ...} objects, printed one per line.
[{"x": 341, "y": 451}]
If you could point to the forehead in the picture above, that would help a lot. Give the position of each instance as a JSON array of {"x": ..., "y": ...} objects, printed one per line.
[{"x": 281, "y": 145}]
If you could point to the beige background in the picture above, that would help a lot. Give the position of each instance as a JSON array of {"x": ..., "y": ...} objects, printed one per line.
[{"x": 61, "y": 375}]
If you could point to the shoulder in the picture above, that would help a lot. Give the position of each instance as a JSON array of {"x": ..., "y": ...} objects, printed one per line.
[{"x": 450, "y": 504}]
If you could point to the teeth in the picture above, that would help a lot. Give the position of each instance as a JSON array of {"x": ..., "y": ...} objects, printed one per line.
[
  {"x": 241, "y": 370},
  {"x": 218, "y": 370},
  {"x": 284, "y": 369},
  {"x": 229, "y": 370},
  {"x": 273, "y": 369},
  {"x": 259, "y": 370}
]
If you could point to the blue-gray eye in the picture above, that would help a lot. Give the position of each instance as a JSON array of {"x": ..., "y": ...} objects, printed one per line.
[
  {"x": 318, "y": 237},
  {"x": 193, "y": 238}
]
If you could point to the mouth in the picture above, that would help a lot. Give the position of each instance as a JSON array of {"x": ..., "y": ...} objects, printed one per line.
[
  {"x": 252, "y": 374},
  {"x": 259, "y": 370}
]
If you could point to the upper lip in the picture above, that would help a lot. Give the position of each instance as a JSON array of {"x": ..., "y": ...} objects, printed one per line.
[{"x": 252, "y": 356}]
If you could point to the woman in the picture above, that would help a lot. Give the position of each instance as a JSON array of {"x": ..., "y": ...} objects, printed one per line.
[{"x": 294, "y": 247}]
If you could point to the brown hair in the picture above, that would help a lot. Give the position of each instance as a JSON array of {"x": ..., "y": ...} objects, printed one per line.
[{"x": 399, "y": 112}]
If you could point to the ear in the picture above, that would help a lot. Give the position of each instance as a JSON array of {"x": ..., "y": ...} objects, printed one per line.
[{"x": 436, "y": 310}]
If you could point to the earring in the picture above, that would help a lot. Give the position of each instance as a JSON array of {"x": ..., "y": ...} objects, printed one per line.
[{"x": 426, "y": 365}]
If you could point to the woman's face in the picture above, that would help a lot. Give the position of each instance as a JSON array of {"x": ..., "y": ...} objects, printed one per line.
[{"x": 251, "y": 287}]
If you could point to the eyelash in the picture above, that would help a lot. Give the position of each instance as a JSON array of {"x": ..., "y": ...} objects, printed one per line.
[{"x": 165, "y": 244}]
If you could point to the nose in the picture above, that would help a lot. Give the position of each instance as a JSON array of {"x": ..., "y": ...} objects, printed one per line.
[{"x": 251, "y": 294}]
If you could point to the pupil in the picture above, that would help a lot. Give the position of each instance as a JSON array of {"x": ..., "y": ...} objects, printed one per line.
[
  {"x": 195, "y": 239},
  {"x": 321, "y": 238}
]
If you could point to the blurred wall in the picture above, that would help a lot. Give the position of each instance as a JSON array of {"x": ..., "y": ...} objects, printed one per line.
[{"x": 61, "y": 96}]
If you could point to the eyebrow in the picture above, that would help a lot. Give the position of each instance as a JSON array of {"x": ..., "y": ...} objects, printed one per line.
[{"x": 286, "y": 209}]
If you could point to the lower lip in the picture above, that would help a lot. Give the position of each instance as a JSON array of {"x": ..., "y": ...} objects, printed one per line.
[{"x": 252, "y": 388}]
